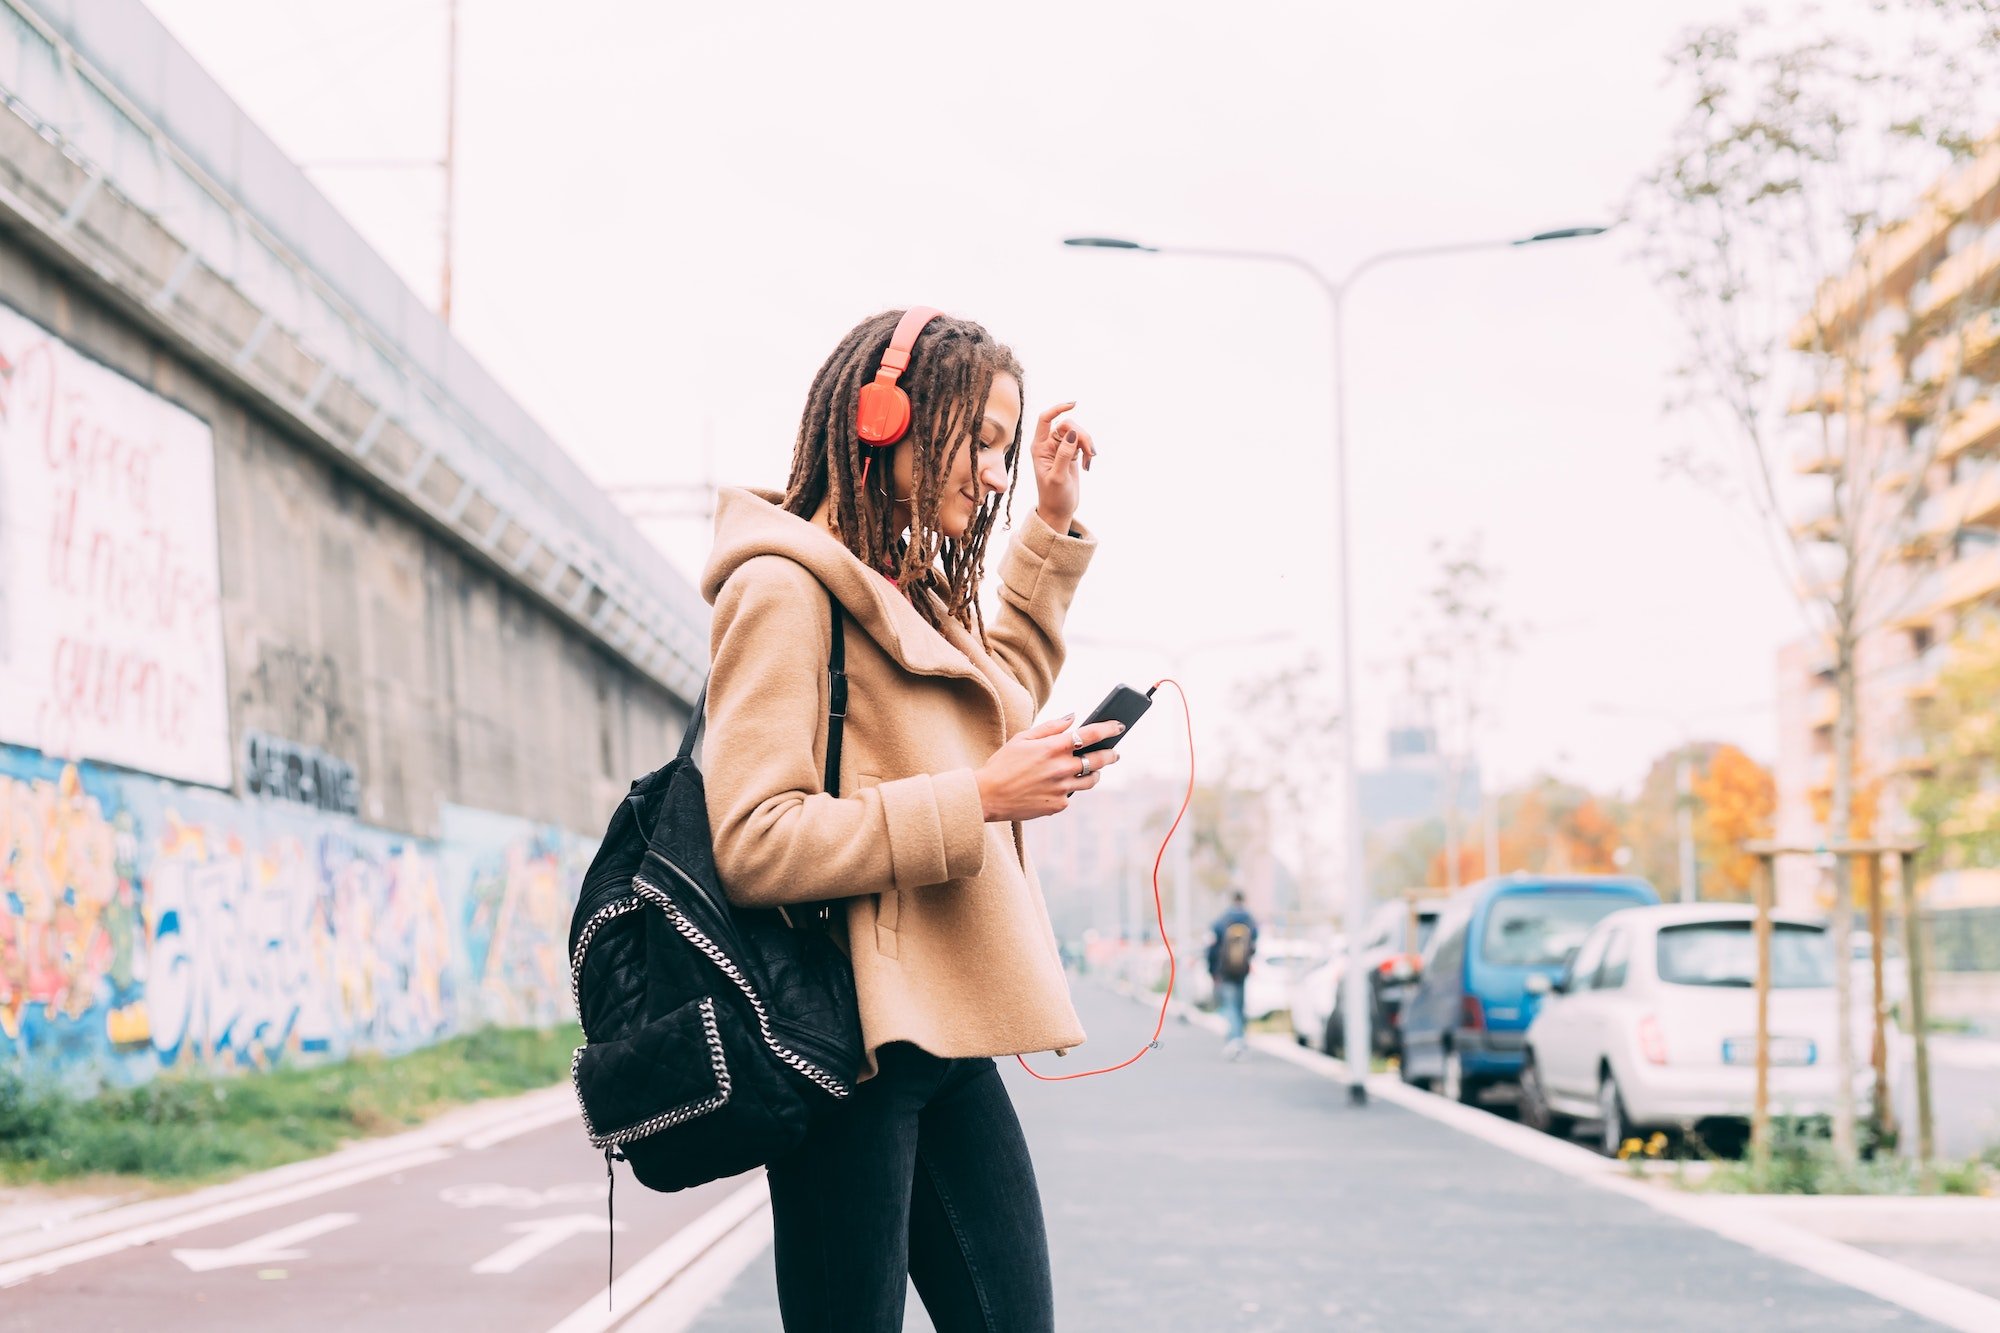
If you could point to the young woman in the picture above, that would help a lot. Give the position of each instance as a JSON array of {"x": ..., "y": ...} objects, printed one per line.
[{"x": 923, "y": 1173}]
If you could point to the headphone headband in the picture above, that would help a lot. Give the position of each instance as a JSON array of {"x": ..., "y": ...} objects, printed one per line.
[{"x": 884, "y": 414}]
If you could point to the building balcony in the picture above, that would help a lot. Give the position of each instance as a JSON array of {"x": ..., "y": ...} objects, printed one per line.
[
  {"x": 1972, "y": 578},
  {"x": 1920, "y": 604},
  {"x": 1923, "y": 683},
  {"x": 1974, "y": 428},
  {"x": 1981, "y": 340},
  {"x": 1917, "y": 401},
  {"x": 1969, "y": 503},
  {"x": 1906, "y": 754},
  {"x": 1819, "y": 458},
  {"x": 1821, "y": 398},
  {"x": 1969, "y": 272},
  {"x": 1814, "y": 521},
  {"x": 1885, "y": 265}
]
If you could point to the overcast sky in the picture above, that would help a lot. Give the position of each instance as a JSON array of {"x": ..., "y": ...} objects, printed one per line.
[{"x": 669, "y": 213}]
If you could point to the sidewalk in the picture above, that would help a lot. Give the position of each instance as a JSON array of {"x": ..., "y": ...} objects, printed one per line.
[{"x": 1188, "y": 1193}]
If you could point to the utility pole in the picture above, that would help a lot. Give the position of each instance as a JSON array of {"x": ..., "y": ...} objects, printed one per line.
[
  {"x": 450, "y": 158},
  {"x": 1490, "y": 805},
  {"x": 1684, "y": 817}
]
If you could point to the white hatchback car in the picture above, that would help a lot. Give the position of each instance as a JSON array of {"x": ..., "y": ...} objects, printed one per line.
[{"x": 1653, "y": 1025}]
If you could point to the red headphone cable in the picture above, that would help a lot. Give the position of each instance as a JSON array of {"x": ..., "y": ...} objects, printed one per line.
[{"x": 1159, "y": 909}]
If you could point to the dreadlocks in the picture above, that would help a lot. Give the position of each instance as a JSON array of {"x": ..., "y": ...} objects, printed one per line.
[{"x": 952, "y": 368}]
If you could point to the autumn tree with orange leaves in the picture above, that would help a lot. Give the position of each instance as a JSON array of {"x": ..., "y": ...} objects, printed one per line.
[{"x": 1735, "y": 797}]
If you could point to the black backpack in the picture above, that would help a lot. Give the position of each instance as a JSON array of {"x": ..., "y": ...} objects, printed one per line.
[
  {"x": 712, "y": 1033},
  {"x": 1233, "y": 952}
]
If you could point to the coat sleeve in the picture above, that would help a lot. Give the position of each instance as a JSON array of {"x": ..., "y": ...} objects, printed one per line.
[
  {"x": 1038, "y": 579},
  {"x": 778, "y": 836}
]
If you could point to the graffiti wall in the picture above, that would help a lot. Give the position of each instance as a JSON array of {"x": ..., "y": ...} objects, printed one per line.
[{"x": 149, "y": 925}]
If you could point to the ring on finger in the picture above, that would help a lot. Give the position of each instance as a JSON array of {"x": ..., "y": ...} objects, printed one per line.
[{"x": 1084, "y": 771}]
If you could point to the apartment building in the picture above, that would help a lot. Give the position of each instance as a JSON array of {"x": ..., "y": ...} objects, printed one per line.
[{"x": 1897, "y": 471}]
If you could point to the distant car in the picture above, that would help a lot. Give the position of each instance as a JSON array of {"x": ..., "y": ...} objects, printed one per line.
[
  {"x": 1462, "y": 1027},
  {"x": 1276, "y": 965},
  {"x": 1392, "y": 951},
  {"x": 1653, "y": 1026},
  {"x": 1313, "y": 998}
]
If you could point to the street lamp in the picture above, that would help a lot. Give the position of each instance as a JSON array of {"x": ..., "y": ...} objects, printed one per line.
[{"x": 1335, "y": 290}]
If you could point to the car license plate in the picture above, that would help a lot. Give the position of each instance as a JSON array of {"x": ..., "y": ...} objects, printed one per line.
[{"x": 1784, "y": 1051}]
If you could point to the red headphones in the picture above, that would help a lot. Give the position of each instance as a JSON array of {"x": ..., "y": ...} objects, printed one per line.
[{"x": 884, "y": 415}]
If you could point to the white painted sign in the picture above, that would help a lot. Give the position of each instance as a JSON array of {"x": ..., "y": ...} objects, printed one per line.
[
  {"x": 270, "y": 1248},
  {"x": 110, "y": 583},
  {"x": 538, "y": 1238}
]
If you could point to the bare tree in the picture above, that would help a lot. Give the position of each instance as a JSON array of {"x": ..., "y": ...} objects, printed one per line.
[
  {"x": 1785, "y": 223},
  {"x": 1283, "y": 747},
  {"x": 1458, "y": 637}
]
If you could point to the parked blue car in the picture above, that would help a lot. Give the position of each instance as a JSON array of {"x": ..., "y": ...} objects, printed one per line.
[{"x": 1465, "y": 1024}]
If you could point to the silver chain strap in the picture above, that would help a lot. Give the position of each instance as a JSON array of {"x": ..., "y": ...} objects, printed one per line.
[
  {"x": 616, "y": 908},
  {"x": 689, "y": 931}
]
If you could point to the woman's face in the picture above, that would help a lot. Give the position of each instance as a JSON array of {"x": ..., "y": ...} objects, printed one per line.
[{"x": 978, "y": 470}]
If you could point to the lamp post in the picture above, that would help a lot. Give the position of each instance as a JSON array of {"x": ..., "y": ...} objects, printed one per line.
[{"x": 1355, "y": 913}]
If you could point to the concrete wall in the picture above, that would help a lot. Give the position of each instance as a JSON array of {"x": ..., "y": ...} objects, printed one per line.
[{"x": 423, "y": 731}]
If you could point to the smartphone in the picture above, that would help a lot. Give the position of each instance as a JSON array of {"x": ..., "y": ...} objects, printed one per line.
[{"x": 1123, "y": 704}]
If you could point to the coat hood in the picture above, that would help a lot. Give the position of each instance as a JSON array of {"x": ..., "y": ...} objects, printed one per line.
[{"x": 750, "y": 523}]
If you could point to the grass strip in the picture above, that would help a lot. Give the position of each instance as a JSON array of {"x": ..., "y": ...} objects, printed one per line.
[{"x": 196, "y": 1129}]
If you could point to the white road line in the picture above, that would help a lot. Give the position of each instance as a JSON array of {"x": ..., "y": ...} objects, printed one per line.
[
  {"x": 21, "y": 1271},
  {"x": 638, "y": 1283},
  {"x": 269, "y": 1248},
  {"x": 537, "y": 1237},
  {"x": 702, "y": 1283},
  {"x": 538, "y": 1118}
]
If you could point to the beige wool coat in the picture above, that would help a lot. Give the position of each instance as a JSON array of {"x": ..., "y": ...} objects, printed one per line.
[{"x": 945, "y": 921}]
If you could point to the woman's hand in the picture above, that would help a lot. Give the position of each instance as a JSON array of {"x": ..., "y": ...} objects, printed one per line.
[
  {"x": 1060, "y": 455},
  {"x": 1035, "y": 773}
]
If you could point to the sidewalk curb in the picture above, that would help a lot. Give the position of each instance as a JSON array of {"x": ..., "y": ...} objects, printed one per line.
[
  {"x": 1944, "y": 1302},
  {"x": 473, "y": 1127}
]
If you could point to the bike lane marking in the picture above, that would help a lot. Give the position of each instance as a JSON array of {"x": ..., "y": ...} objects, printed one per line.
[
  {"x": 640, "y": 1283},
  {"x": 14, "y": 1274}
]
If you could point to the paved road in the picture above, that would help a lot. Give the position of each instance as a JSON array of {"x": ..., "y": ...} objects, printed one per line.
[
  {"x": 402, "y": 1251},
  {"x": 1194, "y": 1194}
]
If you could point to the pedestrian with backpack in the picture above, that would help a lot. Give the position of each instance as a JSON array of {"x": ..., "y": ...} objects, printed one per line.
[
  {"x": 873, "y": 557},
  {"x": 1229, "y": 954}
]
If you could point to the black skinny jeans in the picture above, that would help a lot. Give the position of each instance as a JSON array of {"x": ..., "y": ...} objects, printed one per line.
[{"x": 921, "y": 1175}]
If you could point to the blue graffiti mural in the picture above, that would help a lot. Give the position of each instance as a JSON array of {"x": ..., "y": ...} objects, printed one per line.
[{"x": 147, "y": 925}]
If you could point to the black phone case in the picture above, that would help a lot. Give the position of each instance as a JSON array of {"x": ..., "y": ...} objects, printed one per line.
[{"x": 1123, "y": 704}]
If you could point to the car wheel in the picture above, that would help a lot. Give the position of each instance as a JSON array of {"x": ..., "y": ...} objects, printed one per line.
[
  {"x": 1454, "y": 1086},
  {"x": 1535, "y": 1110},
  {"x": 1616, "y": 1128}
]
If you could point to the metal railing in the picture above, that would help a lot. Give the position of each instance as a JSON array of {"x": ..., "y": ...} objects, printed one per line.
[{"x": 261, "y": 279}]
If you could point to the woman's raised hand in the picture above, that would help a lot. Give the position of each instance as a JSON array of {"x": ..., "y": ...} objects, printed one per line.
[
  {"x": 1035, "y": 773},
  {"x": 1060, "y": 454}
]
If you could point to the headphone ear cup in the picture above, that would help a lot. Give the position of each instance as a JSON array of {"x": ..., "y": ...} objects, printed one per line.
[{"x": 884, "y": 413}]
